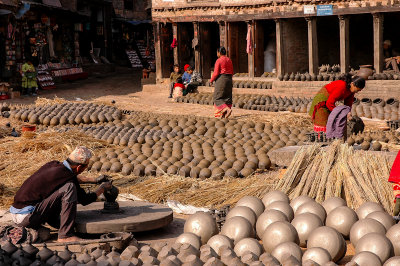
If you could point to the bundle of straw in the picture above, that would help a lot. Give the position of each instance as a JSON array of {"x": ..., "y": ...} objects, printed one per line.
[{"x": 356, "y": 176}]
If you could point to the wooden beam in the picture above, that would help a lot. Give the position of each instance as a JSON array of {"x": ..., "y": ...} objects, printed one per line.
[
  {"x": 157, "y": 50},
  {"x": 344, "y": 44},
  {"x": 175, "y": 35},
  {"x": 197, "y": 54},
  {"x": 250, "y": 56},
  {"x": 277, "y": 15},
  {"x": 280, "y": 50},
  {"x": 223, "y": 38},
  {"x": 378, "y": 42},
  {"x": 312, "y": 45}
]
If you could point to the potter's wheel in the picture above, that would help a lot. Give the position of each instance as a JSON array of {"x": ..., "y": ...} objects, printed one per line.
[{"x": 134, "y": 216}]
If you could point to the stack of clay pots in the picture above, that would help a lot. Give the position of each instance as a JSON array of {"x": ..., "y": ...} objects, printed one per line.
[
  {"x": 67, "y": 113},
  {"x": 285, "y": 227},
  {"x": 255, "y": 102},
  {"x": 377, "y": 108}
]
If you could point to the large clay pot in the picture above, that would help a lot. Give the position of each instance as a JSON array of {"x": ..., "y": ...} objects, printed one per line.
[
  {"x": 366, "y": 101},
  {"x": 378, "y": 102},
  {"x": 365, "y": 71},
  {"x": 392, "y": 102}
]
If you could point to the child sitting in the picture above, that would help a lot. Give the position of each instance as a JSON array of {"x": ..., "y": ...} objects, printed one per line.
[
  {"x": 179, "y": 88},
  {"x": 173, "y": 79}
]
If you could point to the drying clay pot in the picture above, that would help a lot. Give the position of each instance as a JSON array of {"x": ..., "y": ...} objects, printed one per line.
[
  {"x": 383, "y": 217},
  {"x": 394, "y": 236},
  {"x": 367, "y": 258},
  {"x": 367, "y": 208},
  {"x": 287, "y": 248},
  {"x": 297, "y": 202},
  {"x": 312, "y": 207},
  {"x": 332, "y": 203},
  {"x": 274, "y": 196},
  {"x": 237, "y": 228},
  {"x": 267, "y": 218},
  {"x": 248, "y": 244},
  {"x": 278, "y": 233},
  {"x": 317, "y": 255},
  {"x": 330, "y": 240},
  {"x": 217, "y": 241},
  {"x": 342, "y": 219},
  {"x": 189, "y": 238},
  {"x": 244, "y": 212},
  {"x": 253, "y": 203},
  {"x": 394, "y": 261},
  {"x": 364, "y": 227},
  {"x": 376, "y": 243},
  {"x": 201, "y": 224},
  {"x": 284, "y": 207},
  {"x": 305, "y": 224}
]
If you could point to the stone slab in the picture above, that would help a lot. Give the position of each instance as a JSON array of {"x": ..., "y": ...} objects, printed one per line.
[
  {"x": 136, "y": 216},
  {"x": 283, "y": 157}
]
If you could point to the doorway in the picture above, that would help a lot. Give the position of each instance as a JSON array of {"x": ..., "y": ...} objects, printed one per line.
[
  {"x": 237, "y": 33},
  {"x": 264, "y": 47},
  {"x": 185, "y": 50},
  {"x": 210, "y": 40}
]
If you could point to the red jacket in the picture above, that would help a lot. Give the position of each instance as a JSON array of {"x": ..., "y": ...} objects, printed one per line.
[
  {"x": 338, "y": 92},
  {"x": 222, "y": 66},
  {"x": 394, "y": 176}
]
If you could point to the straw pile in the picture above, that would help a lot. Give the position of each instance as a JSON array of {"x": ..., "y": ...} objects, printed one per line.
[
  {"x": 21, "y": 157},
  {"x": 201, "y": 193},
  {"x": 340, "y": 171}
]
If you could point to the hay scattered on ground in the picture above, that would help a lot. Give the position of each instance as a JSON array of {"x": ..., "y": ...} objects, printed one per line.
[
  {"x": 202, "y": 193},
  {"x": 21, "y": 157},
  {"x": 338, "y": 170},
  {"x": 281, "y": 119},
  {"x": 46, "y": 101}
]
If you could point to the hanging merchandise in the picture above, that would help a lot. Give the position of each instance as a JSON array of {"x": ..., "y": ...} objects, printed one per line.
[
  {"x": 249, "y": 45},
  {"x": 78, "y": 27}
]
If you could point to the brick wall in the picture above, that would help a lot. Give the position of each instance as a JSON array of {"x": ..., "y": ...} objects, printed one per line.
[{"x": 295, "y": 45}]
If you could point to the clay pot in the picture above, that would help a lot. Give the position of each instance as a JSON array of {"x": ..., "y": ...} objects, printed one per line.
[
  {"x": 330, "y": 240},
  {"x": 364, "y": 227},
  {"x": 365, "y": 71},
  {"x": 376, "y": 243}
]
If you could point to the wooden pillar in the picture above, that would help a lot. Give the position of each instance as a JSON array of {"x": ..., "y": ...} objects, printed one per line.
[
  {"x": 250, "y": 55},
  {"x": 223, "y": 38},
  {"x": 312, "y": 46},
  {"x": 280, "y": 51},
  {"x": 197, "y": 55},
  {"x": 344, "y": 44},
  {"x": 175, "y": 35},
  {"x": 378, "y": 42},
  {"x": 157, "y": 50}
]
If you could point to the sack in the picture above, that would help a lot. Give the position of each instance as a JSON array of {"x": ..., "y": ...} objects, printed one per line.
[{"x": 18, "y": 234}]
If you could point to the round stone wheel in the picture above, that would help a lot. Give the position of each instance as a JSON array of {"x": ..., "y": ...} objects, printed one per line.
[{"x": 135, "y": 216}]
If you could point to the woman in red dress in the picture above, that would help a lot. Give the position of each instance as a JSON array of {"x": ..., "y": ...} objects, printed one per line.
[
  {"x": 325, "y": 100},
  {"x": 222, "y": 76}
]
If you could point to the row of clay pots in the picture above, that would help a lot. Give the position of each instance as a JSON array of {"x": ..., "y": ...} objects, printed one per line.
[
  {"x": 67, "y": 113},
  {"x": 254, "y": 102}
]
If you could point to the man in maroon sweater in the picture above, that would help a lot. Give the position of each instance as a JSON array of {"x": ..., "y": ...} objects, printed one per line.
[{"x": 52, "y": 193}]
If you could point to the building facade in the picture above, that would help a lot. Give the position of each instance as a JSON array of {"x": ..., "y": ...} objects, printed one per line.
[{"x": 261, "y": 35}]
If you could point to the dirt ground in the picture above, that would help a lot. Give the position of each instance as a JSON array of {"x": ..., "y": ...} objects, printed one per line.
[{"x": 125, "y": 89}]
